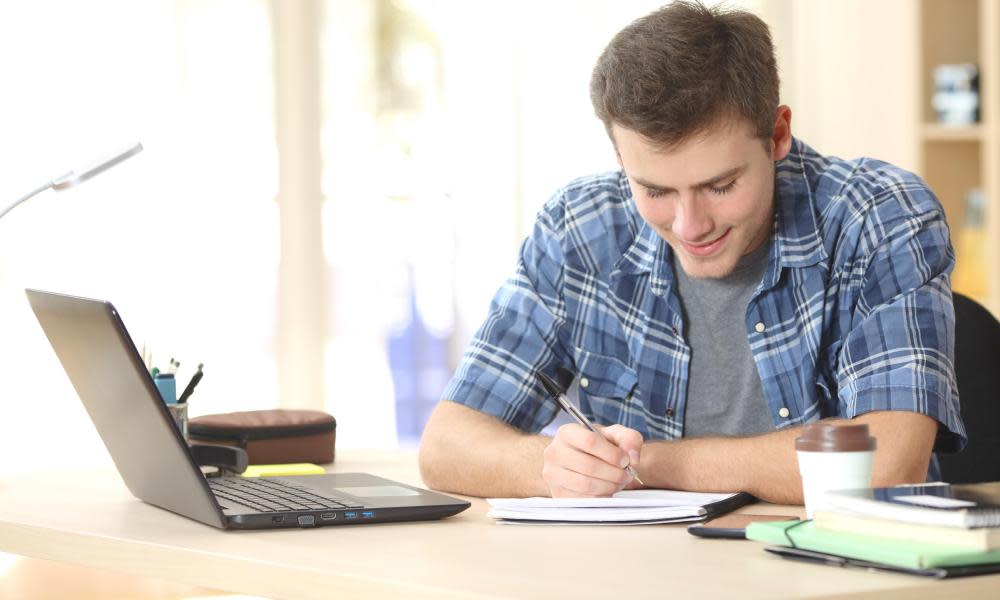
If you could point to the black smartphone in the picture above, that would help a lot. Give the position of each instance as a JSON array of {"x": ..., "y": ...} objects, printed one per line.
[{"x": 732, "y": 526}]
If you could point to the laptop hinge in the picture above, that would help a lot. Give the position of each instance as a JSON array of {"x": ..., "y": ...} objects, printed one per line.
[{"x": 226, "y": 458}]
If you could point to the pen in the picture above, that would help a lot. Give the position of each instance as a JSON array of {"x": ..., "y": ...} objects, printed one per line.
[
  {"x": 191, "y": 385},
  {"x": 564, "y": 402}
]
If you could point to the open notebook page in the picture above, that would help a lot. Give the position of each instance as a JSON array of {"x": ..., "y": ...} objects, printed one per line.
[{"x": 625, "y": 506}]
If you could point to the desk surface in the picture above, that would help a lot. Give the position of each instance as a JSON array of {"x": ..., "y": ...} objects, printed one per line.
[{"x": 90, "y": 519}]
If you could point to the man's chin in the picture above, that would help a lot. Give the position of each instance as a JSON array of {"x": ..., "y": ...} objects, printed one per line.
[{"x": 716, "y": 267}]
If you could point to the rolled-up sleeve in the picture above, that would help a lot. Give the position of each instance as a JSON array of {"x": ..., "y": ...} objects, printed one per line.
[{"x": 899, "y": 352}]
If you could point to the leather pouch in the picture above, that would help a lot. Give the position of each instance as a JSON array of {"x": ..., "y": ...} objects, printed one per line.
[{"x": 275, "y": 436}]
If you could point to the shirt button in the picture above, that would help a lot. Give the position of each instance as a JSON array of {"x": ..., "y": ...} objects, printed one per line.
[
  {"x": 759, "y": 328},
  {"x": 670, "y": 412},
  {"x": 584, "y": 382},
  {"x": 783, "y": 412}
]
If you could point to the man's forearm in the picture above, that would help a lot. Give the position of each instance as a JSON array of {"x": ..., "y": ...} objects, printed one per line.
[
  {"x": 767, "y": 465},
  {"x": 466, "y": 452}
]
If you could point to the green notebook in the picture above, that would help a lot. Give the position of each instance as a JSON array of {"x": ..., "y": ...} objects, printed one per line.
[{"x": 900, "y": 553}]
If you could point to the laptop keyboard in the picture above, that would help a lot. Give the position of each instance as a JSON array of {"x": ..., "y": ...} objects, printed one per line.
[{"x": 267, "y": 495}]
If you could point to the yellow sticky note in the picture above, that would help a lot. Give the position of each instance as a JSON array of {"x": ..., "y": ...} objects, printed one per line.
[{"x": 286, "y": 469}]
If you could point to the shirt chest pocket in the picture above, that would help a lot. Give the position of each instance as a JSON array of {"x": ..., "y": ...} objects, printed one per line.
[{"x": 606, "y": 386}]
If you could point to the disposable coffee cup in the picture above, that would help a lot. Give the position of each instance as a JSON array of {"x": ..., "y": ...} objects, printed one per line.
[{"x": 833, "y": 457}]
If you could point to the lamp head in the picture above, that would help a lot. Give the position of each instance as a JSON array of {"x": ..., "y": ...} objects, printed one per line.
[{"x": 73, "y": 178}]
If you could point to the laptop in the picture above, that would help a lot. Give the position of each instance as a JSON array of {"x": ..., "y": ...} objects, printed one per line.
[{"x": 156, "y": 463}]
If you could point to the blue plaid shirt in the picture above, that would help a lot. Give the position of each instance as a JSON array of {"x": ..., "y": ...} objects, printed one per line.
[{"x": 854, "y": 312}]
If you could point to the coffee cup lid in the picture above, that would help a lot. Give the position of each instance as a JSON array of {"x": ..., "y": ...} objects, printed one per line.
[{"x": 830, "y": 437}]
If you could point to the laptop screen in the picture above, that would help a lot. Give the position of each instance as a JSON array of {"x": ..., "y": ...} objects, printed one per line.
[{"x": 118, "y": 393}]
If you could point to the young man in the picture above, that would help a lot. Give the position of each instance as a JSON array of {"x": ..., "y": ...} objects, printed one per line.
[{"x": 728, "y": 285}]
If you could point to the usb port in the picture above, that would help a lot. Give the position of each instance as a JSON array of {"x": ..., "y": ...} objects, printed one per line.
[
  {"x": 350, "y": 515},
  {"x": 328, "y": 516},
  {"x": 277, "y": 519},
  {"x": 368, "y": 514}
]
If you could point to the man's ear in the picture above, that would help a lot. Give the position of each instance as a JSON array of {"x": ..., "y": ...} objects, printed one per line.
[{"x": 781, "y": 136}]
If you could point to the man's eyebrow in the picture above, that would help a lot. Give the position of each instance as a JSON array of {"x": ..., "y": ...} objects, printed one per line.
[{"x": 707, "y": 183}]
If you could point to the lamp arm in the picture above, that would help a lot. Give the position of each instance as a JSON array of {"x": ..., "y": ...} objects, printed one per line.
[
  {"x": 31, "y": 194},
  {"x": 74, "y": 178}
]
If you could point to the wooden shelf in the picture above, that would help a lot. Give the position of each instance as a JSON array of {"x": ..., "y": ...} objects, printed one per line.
[
  {"x": 957, "y": 159},
  {"x": 935, "y": 132}
]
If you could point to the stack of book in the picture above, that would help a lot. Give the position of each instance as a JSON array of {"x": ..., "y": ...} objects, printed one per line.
[{"x": 939, "y": 530}]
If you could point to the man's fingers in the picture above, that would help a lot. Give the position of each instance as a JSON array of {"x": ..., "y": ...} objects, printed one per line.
[
  {"x": 565, "y": 482},
  {"x": 595, "y": 444},
  {"x": 585, "y": 464},
  {"x": 628, "y": 440},
  {"x": 580, "y": 462},
  {"x": 561, "y": 492}
]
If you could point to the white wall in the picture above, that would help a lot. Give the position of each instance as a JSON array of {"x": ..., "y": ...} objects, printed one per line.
[
  {"x": 182, "y": 238},
  {"x": 850, "y": 72}
]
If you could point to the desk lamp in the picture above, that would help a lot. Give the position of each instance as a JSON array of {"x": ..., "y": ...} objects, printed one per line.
[{"x": 73, "y": 178}]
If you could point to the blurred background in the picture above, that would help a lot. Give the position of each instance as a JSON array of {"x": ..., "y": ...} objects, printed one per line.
[{"x": 332, "y": 190}]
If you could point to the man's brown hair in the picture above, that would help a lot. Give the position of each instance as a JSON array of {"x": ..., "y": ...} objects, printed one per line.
[{"x": 682, "y": 69}]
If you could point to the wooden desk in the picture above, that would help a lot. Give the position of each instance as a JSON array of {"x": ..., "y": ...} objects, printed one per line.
[{"x": 91, "y": 519}]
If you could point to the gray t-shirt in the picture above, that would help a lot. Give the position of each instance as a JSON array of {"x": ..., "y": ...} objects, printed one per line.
[{"x": 724, "y": 394}]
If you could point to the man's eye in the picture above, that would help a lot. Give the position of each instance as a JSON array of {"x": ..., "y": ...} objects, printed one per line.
[
  {"x": 722, "y": 191},
  {"x": 655, "y": 193}
]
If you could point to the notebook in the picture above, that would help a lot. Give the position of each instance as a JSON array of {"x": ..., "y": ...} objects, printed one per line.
[
  {"x": 628, "y": 507},
  {"x": 959, "y": 505},
  {"x": 802, "y": 539},
  {"x": 154, "y": 461},
  {"x": 833, "y": 560},
  {"x": 979, "y": 538}
]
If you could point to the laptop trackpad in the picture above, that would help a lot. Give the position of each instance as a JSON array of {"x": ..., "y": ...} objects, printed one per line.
[{"x": 378, "y": 491}]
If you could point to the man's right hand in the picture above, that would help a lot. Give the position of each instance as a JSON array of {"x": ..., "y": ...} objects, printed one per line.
[{"x": 579, "y": 462}]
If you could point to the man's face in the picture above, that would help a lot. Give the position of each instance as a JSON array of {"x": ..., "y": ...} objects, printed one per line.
[{"x": 711, "y": 197}]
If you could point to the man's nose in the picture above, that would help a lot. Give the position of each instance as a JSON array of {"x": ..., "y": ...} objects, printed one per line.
[{"x": 691, "y": 222}]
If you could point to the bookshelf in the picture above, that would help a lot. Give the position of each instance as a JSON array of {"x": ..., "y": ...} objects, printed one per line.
[{"x": 957, "y": 159}]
